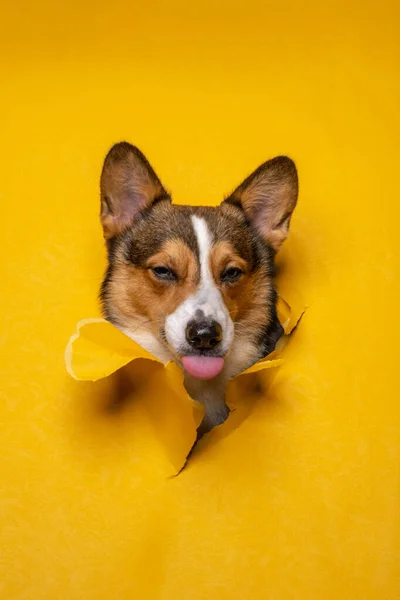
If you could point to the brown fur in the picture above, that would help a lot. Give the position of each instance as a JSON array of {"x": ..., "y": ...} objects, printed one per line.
[
  {"x": 223, "y": 255},
  {"x": 126, "y": 173},
  {"x": 269, "y": 196},
  {"x": 144, "y": 230},
  {"x": 137, "y": 296}
]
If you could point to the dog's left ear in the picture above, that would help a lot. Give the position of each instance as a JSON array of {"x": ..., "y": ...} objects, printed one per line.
[
  {"x": 268, "y": 197},
  {"x": 128, "y": 186}
]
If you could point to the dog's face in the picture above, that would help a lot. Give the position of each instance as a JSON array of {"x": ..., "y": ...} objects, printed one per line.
[{"x": 193, "y": 283}]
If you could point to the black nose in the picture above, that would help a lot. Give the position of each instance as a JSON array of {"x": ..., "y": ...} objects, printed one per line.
[{"x": 202, "y": 335}]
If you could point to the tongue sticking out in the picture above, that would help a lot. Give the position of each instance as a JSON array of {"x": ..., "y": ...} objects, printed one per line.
[{"x": 203, "y": 367}]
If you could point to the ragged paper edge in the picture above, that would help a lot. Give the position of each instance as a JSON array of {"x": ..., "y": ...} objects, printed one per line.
[
  {"x": 264, "y": 363},
  {"x": 171, "y": 369},
  {"x": 68, "y": 353},
  {"x": 69, "y": 349},
  {"x": 288, "y": 316}
]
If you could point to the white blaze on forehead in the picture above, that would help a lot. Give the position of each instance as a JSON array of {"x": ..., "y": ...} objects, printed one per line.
[{"x": 207, "y": 298}]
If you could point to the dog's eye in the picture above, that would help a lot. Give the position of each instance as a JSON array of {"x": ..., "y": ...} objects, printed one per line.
[
  {"x": 164, "y": 273},
  {"x": 231, "y": 274}
]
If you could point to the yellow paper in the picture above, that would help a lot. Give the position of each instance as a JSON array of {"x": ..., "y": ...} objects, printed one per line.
[
  {"x": 98, "y": 349},
  {"x": 296, "y": 496}
]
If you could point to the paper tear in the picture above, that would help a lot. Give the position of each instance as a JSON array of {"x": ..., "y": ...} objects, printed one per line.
[
  {"x": 251, "y": 385},
  {"x": 97, "y": 349}
]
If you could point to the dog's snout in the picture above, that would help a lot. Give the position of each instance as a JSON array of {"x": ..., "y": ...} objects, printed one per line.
[{"x": 202, "y": 335}]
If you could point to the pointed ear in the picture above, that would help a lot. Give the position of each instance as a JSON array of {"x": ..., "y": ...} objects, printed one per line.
[
  {"x": 128, "y": 186},
  {"x": 268, "y": 197}
]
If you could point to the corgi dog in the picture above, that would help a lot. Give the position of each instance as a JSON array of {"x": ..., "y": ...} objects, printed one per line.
[{"x": 194, "y": 284}]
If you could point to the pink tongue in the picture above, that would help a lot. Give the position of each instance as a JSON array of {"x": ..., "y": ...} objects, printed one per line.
[{"x": 203, "y": 367}]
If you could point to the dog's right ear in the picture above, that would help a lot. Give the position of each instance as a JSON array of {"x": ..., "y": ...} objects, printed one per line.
[{"x": 128, "y": 186}]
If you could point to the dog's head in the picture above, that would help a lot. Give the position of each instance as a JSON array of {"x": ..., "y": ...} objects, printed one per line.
[{"x": 190, "y": 283}]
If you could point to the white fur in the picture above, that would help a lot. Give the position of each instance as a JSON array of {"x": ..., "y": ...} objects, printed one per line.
[{"x": 207, "y": 298}]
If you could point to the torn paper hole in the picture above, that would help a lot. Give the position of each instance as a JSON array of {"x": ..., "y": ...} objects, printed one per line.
[{"x": 97, "y": 349}]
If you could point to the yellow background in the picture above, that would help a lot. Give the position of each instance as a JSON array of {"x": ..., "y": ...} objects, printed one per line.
[{"x": 302, "y": 500}]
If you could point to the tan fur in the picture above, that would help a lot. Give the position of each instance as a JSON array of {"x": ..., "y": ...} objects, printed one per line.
[
  {"x": 139, "y": 297},
  {"x": 223, "y": 256},
  {"x": 253, "y": 311},
  {"x": 243, "y": 298},
  {"x": 178, "y": 257}
]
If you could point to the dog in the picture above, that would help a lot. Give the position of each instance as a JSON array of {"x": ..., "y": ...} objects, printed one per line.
[{"x": 195, "y": 285}]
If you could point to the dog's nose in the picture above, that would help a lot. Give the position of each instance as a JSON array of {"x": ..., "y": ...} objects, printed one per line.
[{"x": 202, "y": 335}]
